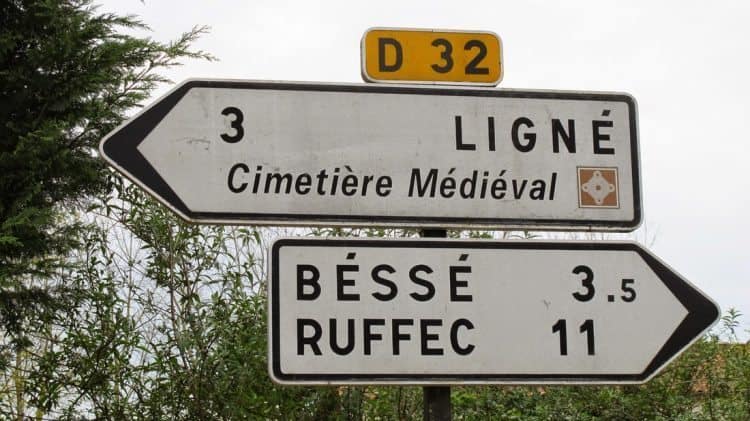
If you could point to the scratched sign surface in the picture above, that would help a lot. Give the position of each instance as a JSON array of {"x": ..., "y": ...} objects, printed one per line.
[{"x": 366, "y": 155}]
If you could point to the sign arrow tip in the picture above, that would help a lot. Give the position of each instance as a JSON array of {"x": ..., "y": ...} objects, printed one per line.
[{"x": 120, "y": 149}]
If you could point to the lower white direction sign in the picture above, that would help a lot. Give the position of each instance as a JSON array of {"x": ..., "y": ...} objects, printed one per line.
[{"x": 446, "y": 312}]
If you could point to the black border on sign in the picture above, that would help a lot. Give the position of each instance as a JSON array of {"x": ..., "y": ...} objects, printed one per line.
[
  {"x": 120, "y": 148},
  {"x": 702, "y": 313}
]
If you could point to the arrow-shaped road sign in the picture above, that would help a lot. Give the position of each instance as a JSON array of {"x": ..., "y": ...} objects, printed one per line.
[
  {"x": 369, "y": 155},
  {"x": 446, "y": 312}
]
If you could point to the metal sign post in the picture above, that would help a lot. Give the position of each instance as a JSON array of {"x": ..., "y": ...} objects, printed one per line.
[
  {"x": 433, "y": 312},
  {"x": 436, "y": 399}
]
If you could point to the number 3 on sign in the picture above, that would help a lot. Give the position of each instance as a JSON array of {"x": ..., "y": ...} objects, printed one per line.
[
  {"x": 236, "y": 125},
  {"x": 431, "y": 56}
]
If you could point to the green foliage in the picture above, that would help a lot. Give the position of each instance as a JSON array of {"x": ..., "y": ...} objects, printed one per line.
[
  {"x": 173, "y": 325},
  {"x": 67, "y": 77}
]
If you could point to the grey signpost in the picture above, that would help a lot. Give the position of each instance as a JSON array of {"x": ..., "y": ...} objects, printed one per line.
[
  {"x": 430, "y": 312},
  {"x": 436, "y": 399}
]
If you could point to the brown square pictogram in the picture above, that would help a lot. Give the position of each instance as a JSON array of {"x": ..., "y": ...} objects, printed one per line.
[{"x": 597, "y": 188}]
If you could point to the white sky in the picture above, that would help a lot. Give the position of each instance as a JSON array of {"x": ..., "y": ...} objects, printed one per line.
[{"x": 685, "y": 62}]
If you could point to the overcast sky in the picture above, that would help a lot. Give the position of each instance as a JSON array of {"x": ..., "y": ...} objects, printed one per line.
[{"x": 687, "y": 64}]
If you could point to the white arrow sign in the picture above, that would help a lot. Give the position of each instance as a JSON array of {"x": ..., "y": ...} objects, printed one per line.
[
  {"x": 444, "y": 312},
  {"x": 370, "y": 155}
]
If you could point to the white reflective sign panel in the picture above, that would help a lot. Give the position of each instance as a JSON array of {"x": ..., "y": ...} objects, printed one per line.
[
  {"x": 364, "y": 155},
  {"x": 441, "y": 311}
]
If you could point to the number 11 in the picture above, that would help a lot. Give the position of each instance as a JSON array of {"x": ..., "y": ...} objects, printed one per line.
[{"x": 587, "y": 327}]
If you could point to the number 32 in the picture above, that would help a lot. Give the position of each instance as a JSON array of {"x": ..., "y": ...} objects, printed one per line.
[{"x": 446, "y": 55}]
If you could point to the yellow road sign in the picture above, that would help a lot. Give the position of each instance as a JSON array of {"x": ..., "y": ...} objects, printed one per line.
[{"x": 431, "y": 56}]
